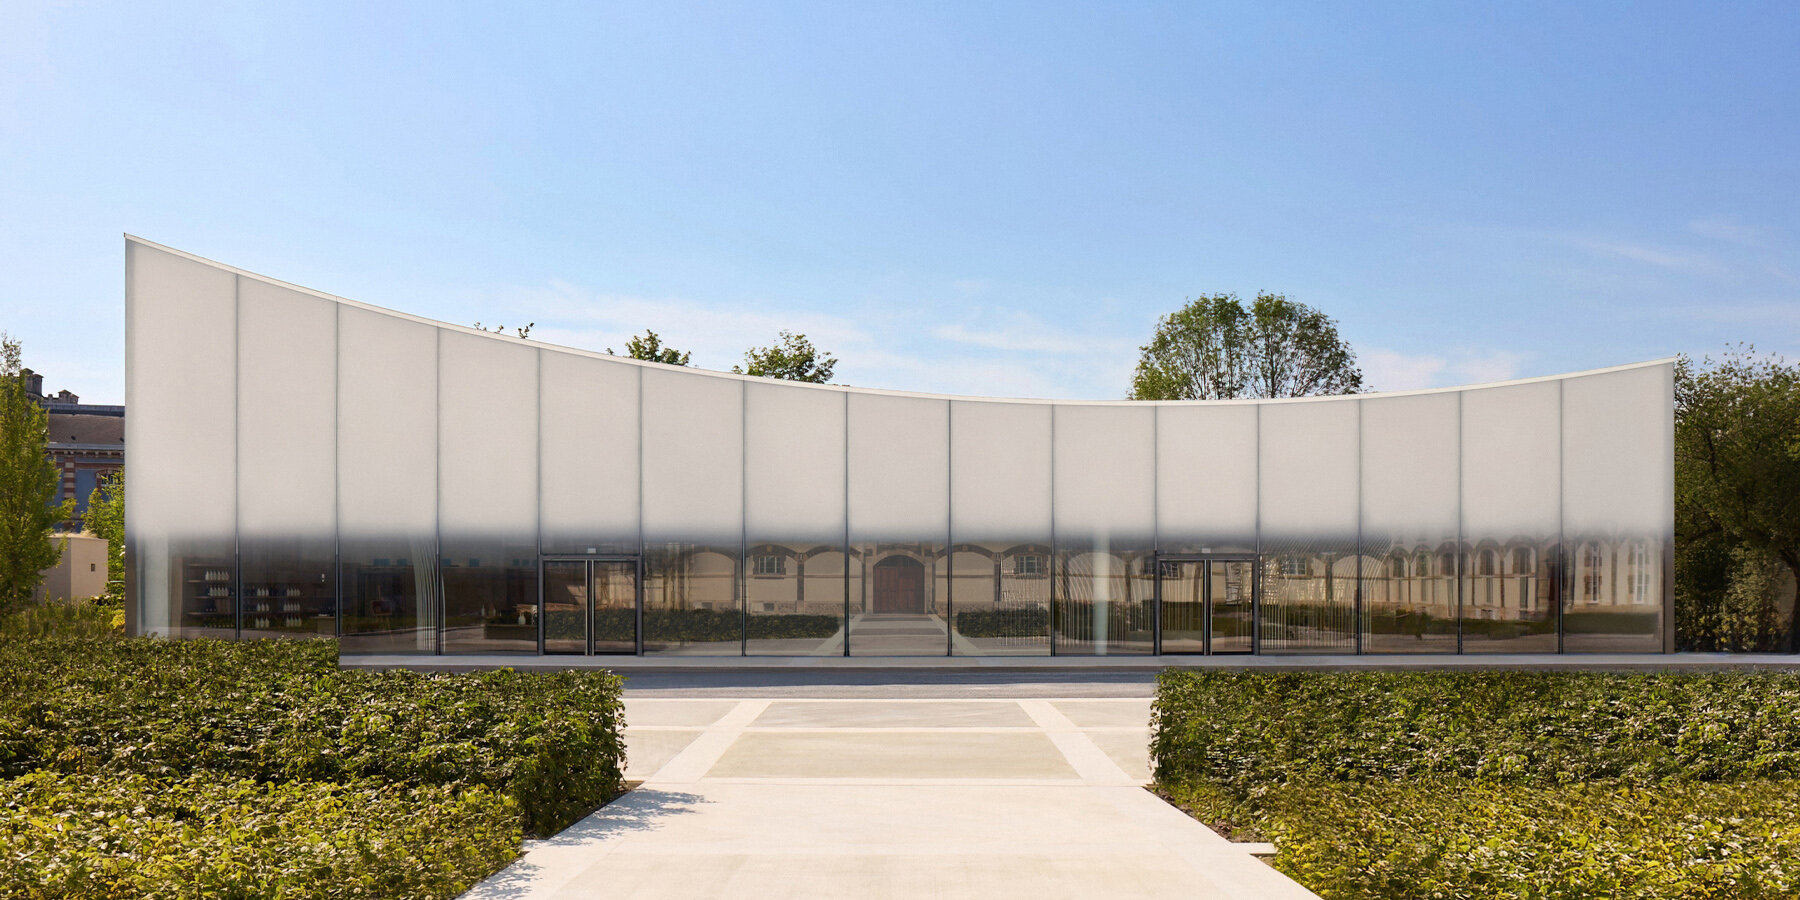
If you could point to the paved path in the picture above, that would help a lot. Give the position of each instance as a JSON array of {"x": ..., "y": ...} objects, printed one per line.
[{"x": 850, "y": 796}]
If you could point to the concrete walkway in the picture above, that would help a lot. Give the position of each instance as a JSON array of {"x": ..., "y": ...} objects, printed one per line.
[{"x": 965, "y": 795}]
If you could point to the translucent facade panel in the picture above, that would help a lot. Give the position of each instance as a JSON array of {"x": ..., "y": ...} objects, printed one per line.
[
  {"x": 488, "y": 490},
  {"x": 387, "y": 483},
  {"x": 287, "y": 461},
  {"x": 1206, "y": 478},
  {"x": 182, "y": 431},
  {"x": 588, "y": 429},
  {"x": 899, "y": 524},
  {"x": 693, "y": 490},
  {"x": 1618, "y": 482},
  {"x": 1410, "y": 489},
  {"x": 1104, "y": 461},
  {"x": 1000, "y": 517},
  {"x": 1308, "y": 490},
  {"x": 1511, "y": 526},
  {"x": 794, "y": 591}
]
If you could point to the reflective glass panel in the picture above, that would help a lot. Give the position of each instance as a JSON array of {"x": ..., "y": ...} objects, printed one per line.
[
  {"x": 287, "y": 461},
  {"x": 794, "y": 519},
  {"x": 693, "y": 491},
  {"x": 1511, "y": 530},
  {"x": 1308, "y": 485},
  {"x": 588, "y": 415},
  {"x": 1000, "y": 572},
  {"x": 1410, "y": 496},
  {"x": 1206, "y": 478},
  {"x": 181, "y": 522},
  {"x": 1618, "y": 484},
  {"x": 1105, "y": 501},
  {"x": 565, "y": 607},
  {"x": 899, "y": 523}
]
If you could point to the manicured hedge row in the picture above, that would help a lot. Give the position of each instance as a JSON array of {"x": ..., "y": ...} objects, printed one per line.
[
  {"x": 283, "y": 712},
  {"x": 1462, "y": 839},
  {"x": 98, "y": 837},
  {"x": 1241, "y": 730},
  {"x": 1032, "y": 621}
]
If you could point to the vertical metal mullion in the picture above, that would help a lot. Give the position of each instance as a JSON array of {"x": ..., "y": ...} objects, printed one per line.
[
  {"x": 742, "y": 587},
  {"x": 337, "y": 468},
  {"x": 1356, "y": 593},
  {"x": 1156, "y": 591},
  {"x": 237, "y": 443},
  {"x": 1256, "y": 565},
  {"x": 437, "y": 506},
  {"x": 846, "y": 486},
  {"x": 1564, "y": 572},
  {"x": 949, "y": 554},
  {"x": 642, "y": 551},
  {"x": 1056, "y": 561},
  {"x": 1461, "y": 526}
]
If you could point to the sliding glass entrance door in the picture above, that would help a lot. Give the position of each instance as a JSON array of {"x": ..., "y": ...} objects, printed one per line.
[
  {"x": 590, "y": 606},
  {"x": 1207, "y": 605}
]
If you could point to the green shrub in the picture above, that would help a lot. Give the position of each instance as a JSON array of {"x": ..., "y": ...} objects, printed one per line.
[
  {"x": 727, "y": 625},
  {"x": 1460, "y": 839},
  {"x": 1031, "y": 621},
  {"x": 283, "y": 712},
  {"x": 95, "y": 837},
  {"x": 1242, "y": 730},
  {"x": 63, "y": 618}
]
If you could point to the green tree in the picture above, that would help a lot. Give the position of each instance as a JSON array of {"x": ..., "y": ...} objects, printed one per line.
[
  {"x": 650, "y": 347},
  {"x": 1737, "y": 488},
  {"x": 28, "y": 484},
  {"x": 1215, "y": 349},
  {"x": 793, "y": 358},
  {"x": 105, "y": 518}
]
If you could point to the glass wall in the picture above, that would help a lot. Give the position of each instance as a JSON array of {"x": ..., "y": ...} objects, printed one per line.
[
  {"x": 1511, "y": 525},
  {"x": 793, "y": 520},
  {"x": 1308, "y": 490},
  {"x": 287, "y": 461},
  {"x": 1411, "y": 471},
  {"x": 488, "y": 492},
  {"x": 309, "y": 466},
  {"x": 181, "y": 365},
  {"x": 1618, "y": 509},
  {"x": 899, "y": 526},
  {"x": 1000, "y": 520},
  {"x": 387, "y": 483},
  {"x": 693, "y": 512},
  {"x": 1104, "y": 498}
]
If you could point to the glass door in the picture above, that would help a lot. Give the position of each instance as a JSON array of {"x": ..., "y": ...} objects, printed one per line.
[
  {"x": 1207, "y": 605},
  {"x": 590, "y": 606}
]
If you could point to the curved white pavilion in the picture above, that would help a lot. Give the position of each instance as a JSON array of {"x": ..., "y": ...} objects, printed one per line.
[{"x": 303, "y": 464}]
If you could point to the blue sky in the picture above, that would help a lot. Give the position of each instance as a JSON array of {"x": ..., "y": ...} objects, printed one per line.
[{"x": 971, "y": 198}]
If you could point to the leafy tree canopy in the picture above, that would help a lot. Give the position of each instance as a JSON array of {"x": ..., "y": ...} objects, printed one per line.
[
  {"x": 793, "y": 357},
  {"x": 105, "y": 518},
  {"x": 1215, "y": 349},
  {"x": 29, "y": 482},
  {"x": 1737, "y": 462},
  {"x": 648, "y": 346}
]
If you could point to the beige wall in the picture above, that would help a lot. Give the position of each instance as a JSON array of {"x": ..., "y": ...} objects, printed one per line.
[{"x": 82, "y": 571}]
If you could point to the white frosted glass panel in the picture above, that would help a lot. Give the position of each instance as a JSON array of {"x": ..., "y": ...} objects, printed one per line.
[
  {"x": 793, "y": 463},
  {"x": 1511, "y": 451},
  {"x": 899, "y": 468},
  {"x": 287, "y": 407},
  {"x": 1000, "y": 471},
  {"x": 488, "y": 437},
  {"x": 181, "y": 387},
  {"x": 1409, "y": 501},
  {"x": 387, "y": 425},
  {"x": 1618, "y": 481},
  {"x": 590, "y": 454},
  {"x": 1105, "y": 488},
  {"x": 1309, "y": 472},
  {"x": 1409, "y": 468},
  {"x": 693, "y": 457},
  {"x": 1618, "y": 452},
  {"x": 1206, "y": 477}
]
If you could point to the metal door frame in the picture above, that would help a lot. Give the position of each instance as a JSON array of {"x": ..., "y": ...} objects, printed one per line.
[
  {"x": 1206, "y": 607},
  {"x": 637, "y": 590}
]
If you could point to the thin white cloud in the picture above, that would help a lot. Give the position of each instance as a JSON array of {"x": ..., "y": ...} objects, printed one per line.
[
  {"x": 1392, "y": 370},
  {"x": 1728, "y": 229},
  {"x": 1659, "y": 257},
  {"x": 1017, "y": 331}
]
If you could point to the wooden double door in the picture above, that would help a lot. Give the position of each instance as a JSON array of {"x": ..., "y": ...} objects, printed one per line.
[{"x": 899, "y": 587}]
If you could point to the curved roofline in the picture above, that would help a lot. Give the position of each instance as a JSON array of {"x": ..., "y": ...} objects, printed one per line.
[{"x": 690, "y": 370}]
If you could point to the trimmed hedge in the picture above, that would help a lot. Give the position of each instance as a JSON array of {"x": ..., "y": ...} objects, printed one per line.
[
  {"x": 1030, "y": 621},
  {"x": 1461, "y": 839},
  {"x": 96, "y": 837},
  {"x": 284, "y": 712},
  {"x": 1247, "y": 729},
  {"x": 1496, "y": 784}
]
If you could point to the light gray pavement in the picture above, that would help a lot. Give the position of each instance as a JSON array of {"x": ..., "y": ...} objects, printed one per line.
[{"x": 927, "y": 788}]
